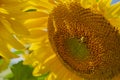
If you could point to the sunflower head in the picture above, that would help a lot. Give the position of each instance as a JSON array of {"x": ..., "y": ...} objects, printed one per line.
[{"x": 84, "y": 40}]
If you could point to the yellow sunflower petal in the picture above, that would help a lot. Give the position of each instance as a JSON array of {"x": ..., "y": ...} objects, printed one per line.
[
  {"x": 30, "y": 15},
  {"x": 41, "y": 3},
  {"x": 36, "y": 23},
  {"x": 87, "y": 3},
  {"x": 10, "y": 38},
  {"x": 10, "y": 6},
  {"x": 104, "y": 5},
  {"x": 19, "y": 28},
  {"x": 4, "y": 52},
  {"x": 37, "y": 33},
  {"x": 2, "y": 10},
  {"x": 51, "y": 76},
  {"x": 52, "y": 1},
  {"x": 114, "y": 11},
  {"x": 15, "y": 26},
  {"x": 115, "y": 22}
]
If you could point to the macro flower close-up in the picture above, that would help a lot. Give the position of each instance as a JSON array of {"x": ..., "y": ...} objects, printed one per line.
[{"x": 60, "y": 40}]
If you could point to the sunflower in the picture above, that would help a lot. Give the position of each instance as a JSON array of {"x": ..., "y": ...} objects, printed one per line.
[{"x": 73, "y": 39}]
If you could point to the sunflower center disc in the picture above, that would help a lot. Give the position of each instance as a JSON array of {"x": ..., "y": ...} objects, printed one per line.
[{"x": 85, "y": 41}]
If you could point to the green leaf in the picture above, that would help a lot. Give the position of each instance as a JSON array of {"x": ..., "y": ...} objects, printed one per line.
[
  {"x": 1, "y": 61},
  {"x": 24, "y": 72},
  {"x": 18, "y": 52},
  {"x": 8, "y": 76},
  {"x": 43, "y": 77}
]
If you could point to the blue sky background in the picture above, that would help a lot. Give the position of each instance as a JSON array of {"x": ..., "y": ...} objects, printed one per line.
[{"x": 114, "y": 1}]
